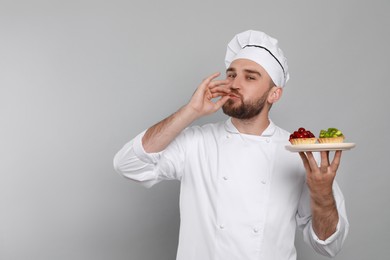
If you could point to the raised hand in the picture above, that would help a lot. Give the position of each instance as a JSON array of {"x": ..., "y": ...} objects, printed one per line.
[
  {"x": 320, "y": 182},
  {"x": 320, "y": 178},
  {"x": 202, "y": 102},
  {"x": 160, "y": 135}
]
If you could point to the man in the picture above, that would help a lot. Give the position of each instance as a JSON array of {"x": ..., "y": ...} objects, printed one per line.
[{"x": 242, "y": 193}]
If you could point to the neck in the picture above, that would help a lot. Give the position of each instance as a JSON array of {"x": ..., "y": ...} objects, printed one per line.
[{"x": 252, "y": 126}]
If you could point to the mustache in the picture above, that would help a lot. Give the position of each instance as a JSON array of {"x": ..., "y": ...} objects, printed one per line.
[{"x": 235, "y": 92}]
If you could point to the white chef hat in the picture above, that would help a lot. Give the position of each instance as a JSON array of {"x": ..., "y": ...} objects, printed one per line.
[{"x": 262, "y": 49}]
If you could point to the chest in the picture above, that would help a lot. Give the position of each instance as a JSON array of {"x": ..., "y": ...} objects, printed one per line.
[{"x": 234, "y": 164}]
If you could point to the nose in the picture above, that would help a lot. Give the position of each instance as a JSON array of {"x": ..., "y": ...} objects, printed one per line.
[{"x": 235, "y": 83}]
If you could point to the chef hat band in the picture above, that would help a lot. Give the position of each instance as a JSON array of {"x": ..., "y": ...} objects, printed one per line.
[{"x": 262, "y": 49}]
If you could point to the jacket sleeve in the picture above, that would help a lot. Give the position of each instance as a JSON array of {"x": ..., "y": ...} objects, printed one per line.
[
  {"x": 150, "y": 168},
  {"x": 333, "y": 244}
]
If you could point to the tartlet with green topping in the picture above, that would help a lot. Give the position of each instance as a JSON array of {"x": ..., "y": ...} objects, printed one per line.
[{"x": 332, "y": 135}]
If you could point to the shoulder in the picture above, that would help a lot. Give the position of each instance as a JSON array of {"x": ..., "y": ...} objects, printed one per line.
[
  {"x": 200, "y": 132},
  {"x": 196, "y": 136},
  {"x": 281, "y": 134},
  {"x": 205, "y": 129}
]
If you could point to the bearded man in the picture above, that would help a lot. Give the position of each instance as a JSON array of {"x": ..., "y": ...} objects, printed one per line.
[{"x": 242, "y": 193}]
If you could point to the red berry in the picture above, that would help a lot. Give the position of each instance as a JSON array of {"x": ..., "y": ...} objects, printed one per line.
[{"x": 301, "y": 133}]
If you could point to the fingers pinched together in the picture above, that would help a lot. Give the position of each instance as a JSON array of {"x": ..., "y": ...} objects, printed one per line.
[{"x": 208, "y": 90}]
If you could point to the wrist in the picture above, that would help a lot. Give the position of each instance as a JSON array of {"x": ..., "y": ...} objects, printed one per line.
[
  {"x": 322, "y": 201},
  {"x": 189, "y": 113}
]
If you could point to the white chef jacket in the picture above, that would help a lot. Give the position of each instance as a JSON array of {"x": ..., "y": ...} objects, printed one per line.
[{"x": 241, "y": 196}]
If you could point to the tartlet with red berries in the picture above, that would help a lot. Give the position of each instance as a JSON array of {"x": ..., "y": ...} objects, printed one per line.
[
  {"x": 302, "y": 136},
  {"x": 332, "y": 135}
]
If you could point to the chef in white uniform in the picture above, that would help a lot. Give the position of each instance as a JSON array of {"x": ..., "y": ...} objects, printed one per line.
[{"x": 242, "y": 193}]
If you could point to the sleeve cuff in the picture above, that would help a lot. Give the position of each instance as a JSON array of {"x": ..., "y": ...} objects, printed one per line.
[
  {"x": 329, "y": 239},
  {"x": 141, "y": 153}
]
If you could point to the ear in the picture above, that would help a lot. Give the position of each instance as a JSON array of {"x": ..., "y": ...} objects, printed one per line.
[{"x": 275, "y": 94}]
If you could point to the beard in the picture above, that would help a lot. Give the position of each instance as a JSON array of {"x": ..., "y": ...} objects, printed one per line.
[{"x": 245, "y": 110}]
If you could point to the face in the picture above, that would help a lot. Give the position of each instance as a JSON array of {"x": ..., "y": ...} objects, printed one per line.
[{"x": 250, "y": 88}]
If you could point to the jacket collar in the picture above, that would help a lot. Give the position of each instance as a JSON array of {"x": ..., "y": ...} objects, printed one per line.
[{"x": 269, "y": 131}]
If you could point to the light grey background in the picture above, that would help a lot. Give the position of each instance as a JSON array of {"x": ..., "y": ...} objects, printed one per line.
[{"x": 78, "y": 79}]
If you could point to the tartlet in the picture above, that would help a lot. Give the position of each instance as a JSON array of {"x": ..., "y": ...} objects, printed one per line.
[
  {"x": 332, "y": 135},
  {"x": 302, "y": 136}
]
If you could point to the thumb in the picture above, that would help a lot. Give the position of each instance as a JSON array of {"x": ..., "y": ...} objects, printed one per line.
[{"x": 221, "y": 102}]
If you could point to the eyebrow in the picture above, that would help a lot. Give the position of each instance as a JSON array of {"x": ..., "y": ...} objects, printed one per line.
[
  {"x": 245, "y": 70},
  {"x": 252, "y": 72},
  {"x": 230, "y": 70}
]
